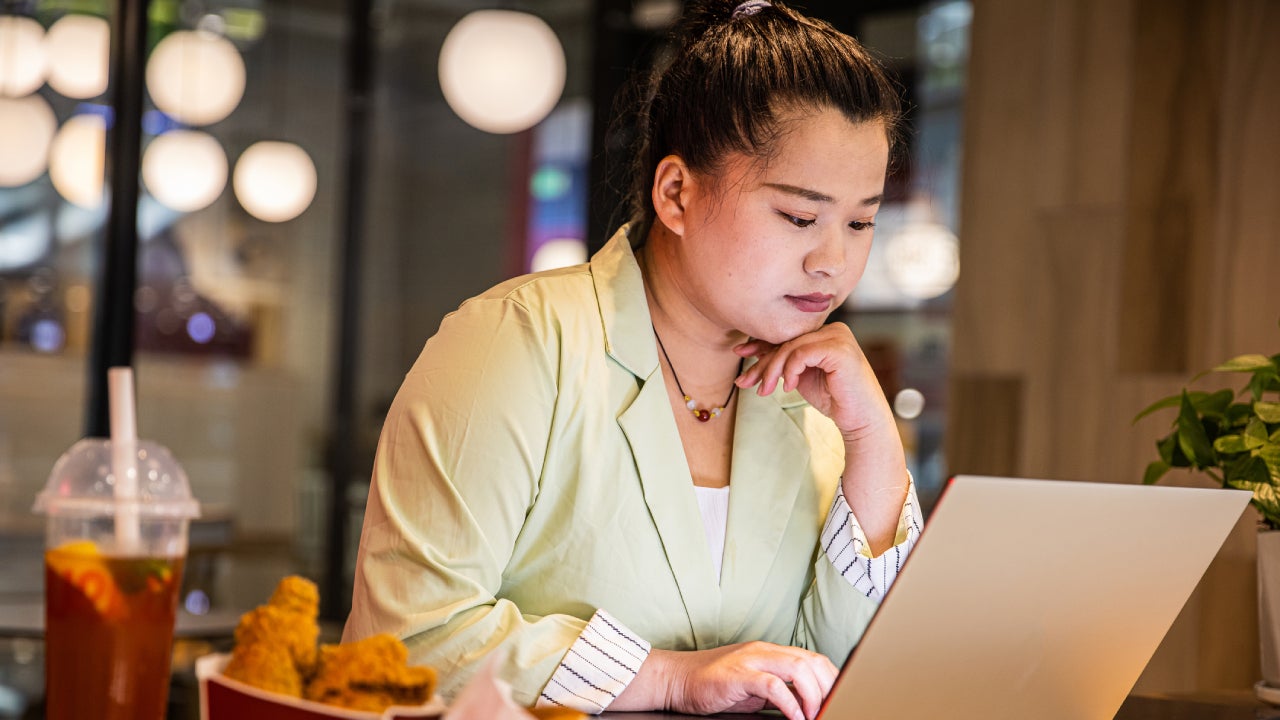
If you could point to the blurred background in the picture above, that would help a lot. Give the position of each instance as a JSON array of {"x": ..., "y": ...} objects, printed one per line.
[{"x": 1083, "y": 218}]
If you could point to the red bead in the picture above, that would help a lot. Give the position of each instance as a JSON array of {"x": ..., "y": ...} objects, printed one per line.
[{"x": 703, "y": 415}]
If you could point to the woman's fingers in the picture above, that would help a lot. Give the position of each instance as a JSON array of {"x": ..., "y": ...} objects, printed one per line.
[
  {"x": 811, "y": 675},
  {"x": 771, "y": 688}
]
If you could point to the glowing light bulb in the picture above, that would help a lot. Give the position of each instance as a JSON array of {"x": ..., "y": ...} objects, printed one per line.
[
  {"x": 22, "y": 56},
  {"x": 274, "y": 181},
  {"x": 502, "y": 71},
  {"x": 76, "y": 160},
  {"x": 77, "y": 47},
  {"x": 185, "y": 170},
  {"x": 27, "y": 126},
  {"x": 196, "y": 77}
]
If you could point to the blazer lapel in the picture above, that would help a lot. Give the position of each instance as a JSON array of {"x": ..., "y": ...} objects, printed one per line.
[
  {"x": 770, "y": 462},
  {"x": 650, "y": 429},
  {"x": 668, "y": 491}
]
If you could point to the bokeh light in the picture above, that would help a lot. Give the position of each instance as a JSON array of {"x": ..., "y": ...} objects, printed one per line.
[
  {"x": 77, "y": 47},
  {"x": 27, "y": 127},
  {"x": 502, "y": 71},
  {"x": 558, "y": 253},
  {"x": 200, "y": 327},
  {"x": 908, "y": 403},
  {"x": 24, "y": 240},
  {"x": 923, "y": 260},
  {"x": 274, "y": 181},
  {"x": 185, "y": 170},
  {"x": 22, "y": 56},
  {"x": 47, "y": 335},
  {"x": 195, "y": 76},
  {"x": 76, "y": 160}
]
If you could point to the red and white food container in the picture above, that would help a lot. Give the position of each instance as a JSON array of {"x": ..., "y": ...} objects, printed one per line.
[{"x": 222, "y": 698}]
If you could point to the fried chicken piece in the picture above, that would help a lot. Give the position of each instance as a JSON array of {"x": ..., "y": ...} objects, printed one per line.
[
  {"x": 276, "y": 643},
  {"x": 370, "y": 674},
  {"x": 298, "y": 595},
  {"x": 265, "y": 666}
]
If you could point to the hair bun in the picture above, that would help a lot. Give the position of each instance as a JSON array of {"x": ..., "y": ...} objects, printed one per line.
[{"x": 702, "y": 15}]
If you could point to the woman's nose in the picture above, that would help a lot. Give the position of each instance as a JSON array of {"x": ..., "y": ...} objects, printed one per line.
[{"x": 828, "y": 257}]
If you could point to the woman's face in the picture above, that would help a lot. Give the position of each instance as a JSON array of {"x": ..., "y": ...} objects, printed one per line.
[{"x": 771, "y": 247}]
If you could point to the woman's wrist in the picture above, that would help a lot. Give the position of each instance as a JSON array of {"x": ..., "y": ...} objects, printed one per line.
[
  {"x": 875, "y": 484},
  {"x": 656, "y": 686}
]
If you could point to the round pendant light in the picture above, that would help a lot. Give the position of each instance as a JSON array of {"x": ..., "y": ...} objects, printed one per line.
[
  {"x": 196, "y": 77},
  {"x": 22, "y": 56},
  {"x": 502, "y": 71},
  {"x": 76, "y": 160},
  {"x": 27, "y": 126},
  {"x": 185, "y": 170},
  {"x": 77, "y": 48},
  {"x": 274, "y": 181}
]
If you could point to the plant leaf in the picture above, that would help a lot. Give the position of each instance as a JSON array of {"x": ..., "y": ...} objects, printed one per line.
[
  {"x": 1230, "y": 444},
  {"x": 1270, "y": 455},
  {"x": 1171, "y": 401},
  {"x": 1237, "y": 413},
  {"x": 1246, "y": 363},
  {"x": 1212, "y": 404},
  {"x": 1256, "y": 430},
  {"x": 1249, "y": 469},
  {"x": 1265, "y": 498},
  {"x": 1155, "y": 471},
  {"x": 1267, "y": 411},
  {"x": 1170, "y": 452},
  {"x": 1192, "y": 437}
]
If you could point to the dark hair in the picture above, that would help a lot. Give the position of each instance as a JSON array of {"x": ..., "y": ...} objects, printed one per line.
[{"x": 728, "y": 77}]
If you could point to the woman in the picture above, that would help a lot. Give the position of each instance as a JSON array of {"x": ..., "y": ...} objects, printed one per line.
[{"x": 658, "y": 480}]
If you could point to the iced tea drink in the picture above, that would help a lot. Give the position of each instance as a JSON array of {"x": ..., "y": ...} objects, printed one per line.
[{"x": 108, "y": 632}]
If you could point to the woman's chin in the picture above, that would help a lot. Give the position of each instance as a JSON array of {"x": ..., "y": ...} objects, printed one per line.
[{"x": 781, "y": 332}]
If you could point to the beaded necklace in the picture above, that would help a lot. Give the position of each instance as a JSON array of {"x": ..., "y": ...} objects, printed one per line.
[{"x": 702, "y": 415}]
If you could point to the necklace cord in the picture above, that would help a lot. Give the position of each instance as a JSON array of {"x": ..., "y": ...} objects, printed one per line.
[{"x": 702, "y": 415}]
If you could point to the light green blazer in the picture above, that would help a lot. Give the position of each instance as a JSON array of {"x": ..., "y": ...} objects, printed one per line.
[{"x": 530, "y": 472}]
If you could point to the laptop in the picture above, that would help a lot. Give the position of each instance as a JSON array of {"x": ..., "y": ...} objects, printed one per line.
[{"x": 1033, "y": 599}]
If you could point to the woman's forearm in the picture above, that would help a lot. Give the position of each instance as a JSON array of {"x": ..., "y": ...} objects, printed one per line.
[{"x": 875, "y": 484}]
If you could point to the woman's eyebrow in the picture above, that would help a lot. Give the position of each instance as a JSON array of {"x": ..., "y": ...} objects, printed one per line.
[{"x": 816, "y": 196}]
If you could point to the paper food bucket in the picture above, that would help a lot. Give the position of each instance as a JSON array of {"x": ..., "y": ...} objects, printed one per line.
[{"x": 222, "y": 698}]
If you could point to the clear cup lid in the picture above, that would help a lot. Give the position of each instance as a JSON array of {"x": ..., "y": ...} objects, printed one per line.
[{"x": 84, "y": 482}]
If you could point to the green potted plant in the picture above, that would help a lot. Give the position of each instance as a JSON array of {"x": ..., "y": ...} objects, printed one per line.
[{"x": 1234, "y": 437}]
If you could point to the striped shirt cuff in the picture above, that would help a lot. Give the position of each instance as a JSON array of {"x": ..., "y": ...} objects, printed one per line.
[
  {"x": 598, "y": 667},
  {"x": 846, "y": 546}
]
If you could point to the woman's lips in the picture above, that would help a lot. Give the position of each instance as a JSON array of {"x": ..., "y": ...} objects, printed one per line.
[{"x": 811, "y": 303}]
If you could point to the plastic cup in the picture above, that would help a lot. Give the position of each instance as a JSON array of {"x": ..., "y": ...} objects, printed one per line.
[{"x": 113, "y": 567}]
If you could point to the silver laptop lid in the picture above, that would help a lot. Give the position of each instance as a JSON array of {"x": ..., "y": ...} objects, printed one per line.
[{"x": 1033, "y": 599}]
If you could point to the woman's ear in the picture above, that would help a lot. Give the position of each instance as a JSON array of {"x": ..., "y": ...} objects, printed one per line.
[{"x": 672, "y": 188}]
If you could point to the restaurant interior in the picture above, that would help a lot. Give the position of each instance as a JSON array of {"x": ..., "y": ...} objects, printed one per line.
[{"x": 1084, "y": 218}]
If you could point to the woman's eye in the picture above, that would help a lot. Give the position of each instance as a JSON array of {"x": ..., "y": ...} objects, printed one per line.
[
  {"x": 797, "y": 221},
  {"x": 862, "y": 225}
]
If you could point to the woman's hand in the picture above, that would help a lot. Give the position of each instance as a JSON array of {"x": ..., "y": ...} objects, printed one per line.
[
  {"x": 830, "y": 371},
  {"x": 828, "y": 368},
  {"x": 745, "y": 677}
]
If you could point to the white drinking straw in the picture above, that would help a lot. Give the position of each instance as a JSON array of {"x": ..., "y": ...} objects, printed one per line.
[{"x": 124, "y": 453}]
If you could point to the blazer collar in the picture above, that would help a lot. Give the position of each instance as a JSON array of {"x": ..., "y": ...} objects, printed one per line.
[
  {"x": 624, "y": 311},
  {"x": 770, "y": 460}
]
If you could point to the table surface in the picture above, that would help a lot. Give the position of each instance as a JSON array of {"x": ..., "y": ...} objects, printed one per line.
[
  {"x": 1225, "y": 705},
  {"x": 27, "y": 620}
]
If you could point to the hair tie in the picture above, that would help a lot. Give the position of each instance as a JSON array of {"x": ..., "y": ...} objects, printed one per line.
[{"x": 750, "y": 7}]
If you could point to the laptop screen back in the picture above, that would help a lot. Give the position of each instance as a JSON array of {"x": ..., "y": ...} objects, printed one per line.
[{"x": 1033, "y": 599}]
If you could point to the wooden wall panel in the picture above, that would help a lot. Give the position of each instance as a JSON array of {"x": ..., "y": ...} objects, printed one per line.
[
  {"x": 1120, "y": 231},
  {"x": 984, "y": 427},
  {"x": 1005, "y": 71}
]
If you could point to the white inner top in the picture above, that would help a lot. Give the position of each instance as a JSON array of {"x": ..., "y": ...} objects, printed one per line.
[{"x": 714, "y": 505}]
